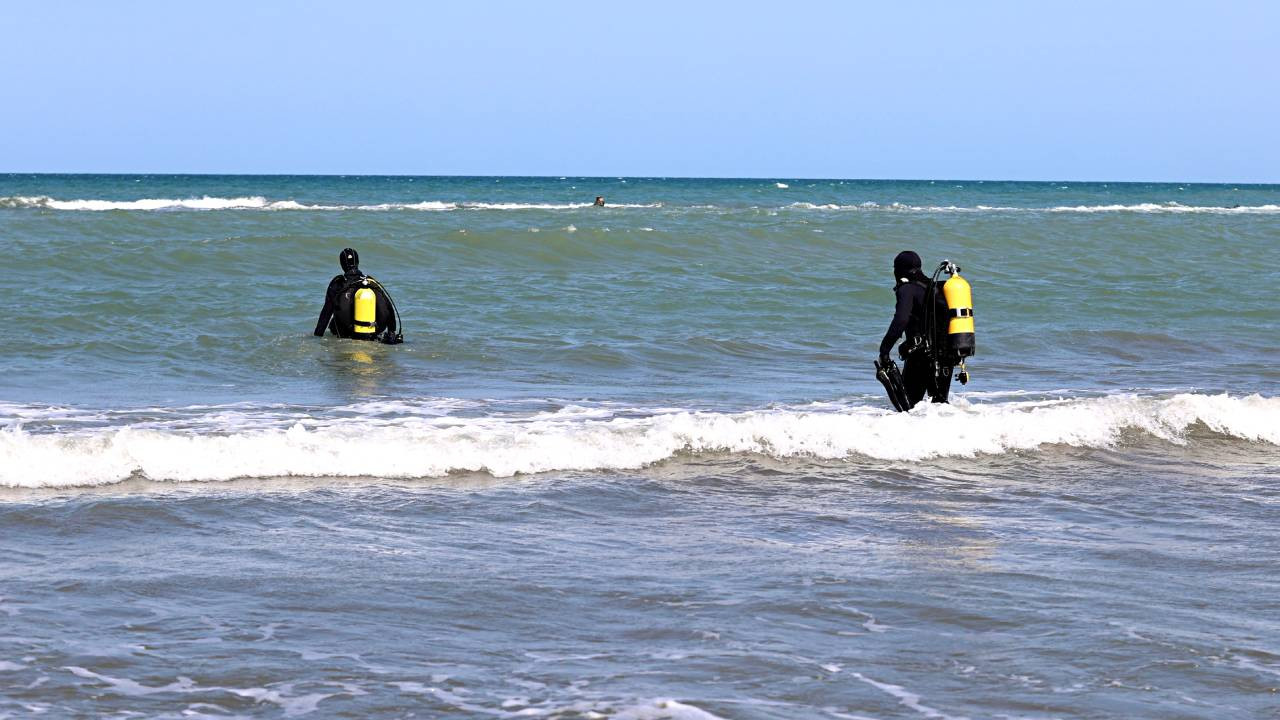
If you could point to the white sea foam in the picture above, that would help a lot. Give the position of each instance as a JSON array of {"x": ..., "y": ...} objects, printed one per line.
[
  {"x": 261, "y": 203},
  {"x": 664, "y": 710},
  {"x": 549, "y": 206},
  {"x": 427, "y": 205},
  {"x": 909, "y": 699},
  {"x": 291, "y": 704},
  {"x": 1171, "y": 207},
  {"x": 201, "y": 203},
  {"x": 238, "y": 443}
]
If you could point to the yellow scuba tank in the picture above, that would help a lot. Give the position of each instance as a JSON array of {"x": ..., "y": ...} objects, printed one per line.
[
  {"x": 960, "y": 327},
  {"x": 366, "y": 302}
]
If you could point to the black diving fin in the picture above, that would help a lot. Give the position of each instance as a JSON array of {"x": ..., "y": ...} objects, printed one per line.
[{"x": 891, "y": 378}]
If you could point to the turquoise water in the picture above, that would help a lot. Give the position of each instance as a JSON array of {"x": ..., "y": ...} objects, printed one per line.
[
  {"x": 729, "y": 293},
  {"x": 632, "y": 460}
]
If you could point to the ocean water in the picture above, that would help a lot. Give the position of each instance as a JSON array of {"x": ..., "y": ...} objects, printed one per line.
[{"x": 632, "y": 461}]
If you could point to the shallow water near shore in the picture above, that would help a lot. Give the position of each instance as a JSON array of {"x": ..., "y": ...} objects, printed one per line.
[{"x": 630, "y": 461}]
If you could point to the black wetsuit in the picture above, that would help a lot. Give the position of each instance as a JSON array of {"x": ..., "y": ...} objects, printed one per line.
[
  {"x": 338, "y": 313},
  {"x": 921, "y": 373}
]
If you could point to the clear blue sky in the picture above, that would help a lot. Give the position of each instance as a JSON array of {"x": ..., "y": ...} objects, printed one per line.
[{"x": 981, "y": 90}]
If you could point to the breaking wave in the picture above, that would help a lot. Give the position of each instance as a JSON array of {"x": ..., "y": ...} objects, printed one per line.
[
  {"x": 53, "y": 447},
  {"x": 1170, "y": 207},
  {"x": 258, "y": 202}
]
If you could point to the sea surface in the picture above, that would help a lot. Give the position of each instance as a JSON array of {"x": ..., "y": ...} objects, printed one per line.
[{"x": 632, "y": 462}]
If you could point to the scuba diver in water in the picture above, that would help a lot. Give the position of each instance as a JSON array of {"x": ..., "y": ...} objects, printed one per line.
[
  {"x": 357, "y": 306},
  {"x": 936, "y": 333}
]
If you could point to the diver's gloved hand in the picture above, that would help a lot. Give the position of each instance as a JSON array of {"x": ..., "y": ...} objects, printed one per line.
[{"x": 884, "y": 360}]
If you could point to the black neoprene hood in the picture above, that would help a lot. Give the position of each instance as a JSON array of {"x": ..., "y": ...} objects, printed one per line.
[
  {"x": 349, "y": 259},
  {"x": 904, "y": 263}
]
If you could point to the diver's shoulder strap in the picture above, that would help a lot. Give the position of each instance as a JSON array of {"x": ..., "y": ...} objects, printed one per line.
[{"x": 350, "y": 282}]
